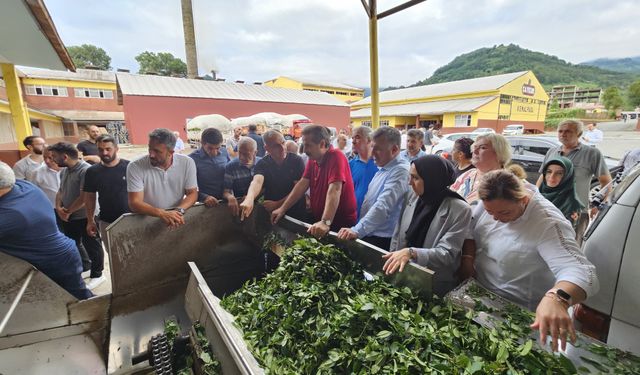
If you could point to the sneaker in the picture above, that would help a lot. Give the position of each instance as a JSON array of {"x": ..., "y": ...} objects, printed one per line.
[
  {"x": 86, "y": 274},
  {"x": 95, "y": 282}
]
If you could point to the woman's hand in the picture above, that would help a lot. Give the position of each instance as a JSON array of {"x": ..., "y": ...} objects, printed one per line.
[
  {"x": 396, "y": 261},
  {"x": 552, "y": 318}
]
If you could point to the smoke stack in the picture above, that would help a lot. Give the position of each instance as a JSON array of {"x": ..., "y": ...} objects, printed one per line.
[{"x": 189, "y": 39}]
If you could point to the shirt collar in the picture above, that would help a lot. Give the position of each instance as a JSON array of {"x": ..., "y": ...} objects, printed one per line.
[{"x": 394, "y": 162}]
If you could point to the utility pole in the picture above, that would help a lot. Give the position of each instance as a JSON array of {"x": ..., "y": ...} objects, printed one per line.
[
  {"x": 372, "y": 12},
  {"x": 189, "y": 39}
]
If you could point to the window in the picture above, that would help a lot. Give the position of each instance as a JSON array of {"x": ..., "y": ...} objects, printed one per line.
[
  {"x": 533, "y": 147},
  {"x": 366, "y": 123},
  {"x": 384, "y": 122},
  {"x": 44, "y": 90},
  {"x": 67, "y": 128},
  {"x": 503, "y": 117},
  {"x": 462, "y": 120},
  {"x": 505, "y": 99},
  {"x": 93, "y": 93}
]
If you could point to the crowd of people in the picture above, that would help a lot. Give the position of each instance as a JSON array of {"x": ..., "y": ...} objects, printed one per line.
[{"x": 470, "y": 217}]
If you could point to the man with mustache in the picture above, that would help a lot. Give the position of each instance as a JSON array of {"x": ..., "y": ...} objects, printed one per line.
[
  {"x": 162, "y": 184},
  {"x": 31, "y": 162}
]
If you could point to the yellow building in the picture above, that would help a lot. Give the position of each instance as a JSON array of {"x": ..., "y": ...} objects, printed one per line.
[
  {"x": 487, "y": 102},
  {"x": 345, "y": 93}
]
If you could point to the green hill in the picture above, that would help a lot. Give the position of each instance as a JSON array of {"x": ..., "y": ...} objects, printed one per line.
[
  {"x": 550, "y": 70},
  {"x": 625, "y": 65}
]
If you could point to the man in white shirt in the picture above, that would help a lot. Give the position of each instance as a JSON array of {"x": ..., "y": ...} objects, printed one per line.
[
  {"x": 47, "y": 178},
  {"x": 162, "y": 184},
  {"x": 34, "y": 160},
  {"x": 592, "y": 136}
]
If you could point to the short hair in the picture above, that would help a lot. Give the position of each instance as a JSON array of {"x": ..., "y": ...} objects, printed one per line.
[
  {"x": 289, "y": 143},
  {"x": 65, "y": 148},
  {"x": 28, "y": 141},
  {"x": 500, "y": 145},
  {"x": 391, "y": 135},
  {"x": 317, "y": 134},
  {"x": 577, "y": 123},
  {"x": 163, "y": 136},
  {"x": 106, "y": 138},
  {"x": 416, "y": 133},
  {"x": 253, "y": 127},
  {"x": 501, "y": 184},
  {"x": 7, "y": 177},
  {"x": 464, "y": 145},
  {"x": 364, "y": 131},
  {"x": 247, "y": 140},
  {"x": 211, "y": 136},
  {"x": 517, "y": 170},
  {"x": 270, "y": 134}
]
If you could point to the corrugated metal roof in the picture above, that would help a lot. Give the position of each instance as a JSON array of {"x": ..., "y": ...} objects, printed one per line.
[
  {"x": 445, "y": 88},
  {"x": 323, "y": 83},
  {"x": 79, "y": 75},
  {"x": 148, "y": 85},
  {"x": 89, "y": 115},
  {"x": 427, "y": 108}
]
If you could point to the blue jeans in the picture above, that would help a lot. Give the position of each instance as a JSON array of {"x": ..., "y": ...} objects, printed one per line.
[{"x": 72, "y": 283}]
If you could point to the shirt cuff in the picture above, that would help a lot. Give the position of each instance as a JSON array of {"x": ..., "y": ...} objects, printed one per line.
[{"x": 358, "y": 229}]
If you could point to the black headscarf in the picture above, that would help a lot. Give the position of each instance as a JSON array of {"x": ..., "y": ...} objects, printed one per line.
[{"x": 438, "y": 174}]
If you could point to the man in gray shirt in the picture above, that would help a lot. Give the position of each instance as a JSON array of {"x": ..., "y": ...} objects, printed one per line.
[
  {"x": 162, "y": 184},
  {"x": 587, "y": 162},
  {"x": 70, "y": 208}
]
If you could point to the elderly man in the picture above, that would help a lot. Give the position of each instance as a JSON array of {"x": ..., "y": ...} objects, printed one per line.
[
  {"x": 592, "y": 136},
  {"x": 239, "y": 173},
  {"x": 232, "y": 142},
  {"x": 88, "y": 147},
  {"x": 587, "y": 162},
  {"x": 47, "y": 178},
  {"x": 277, "y": 173},
  {"x": 162, "y": 184},
  {"x": 28, "y": 231},
  {"x": 333, "y": 201},
  {"x": 362, "y": 166},
  {"x": 106, "y": 180},
  {"x": 415, "y": 144},
  {"x": 253, "y": 134},
  {"x": 211, "y": 159},
  {"x": 70, "y": 208},
  {"x": 33, "y": 160},
  {"x": 383, "y": 202},
  {"x": 291, "y": 146}
]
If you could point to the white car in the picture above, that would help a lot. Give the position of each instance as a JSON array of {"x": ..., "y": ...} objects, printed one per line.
[
  {"x": 445, "y": 143},
  {"x": 514, "y": 129},
  {"x": 484, "y": 131}
]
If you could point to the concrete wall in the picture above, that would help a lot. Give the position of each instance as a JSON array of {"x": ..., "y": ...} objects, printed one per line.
[{"x": 145, "y": 113}]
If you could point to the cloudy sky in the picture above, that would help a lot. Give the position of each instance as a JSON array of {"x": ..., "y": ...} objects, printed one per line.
[{"x": 256, "y": 40}]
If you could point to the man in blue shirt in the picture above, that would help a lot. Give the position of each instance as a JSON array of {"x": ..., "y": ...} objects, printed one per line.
[
  {"x": 415, "y": 145},
  {"x": 239, "y": 173},
  {"x": 383, "y": 202},
  {"x": 363, "y": 167},
  {"x": 211, "y": 159},
  {"x": 259, "y": 142},
  {"x": 28, "y": 231}
]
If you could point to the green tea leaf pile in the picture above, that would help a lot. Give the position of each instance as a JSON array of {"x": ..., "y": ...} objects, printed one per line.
[{"x": 317, "y": 314}]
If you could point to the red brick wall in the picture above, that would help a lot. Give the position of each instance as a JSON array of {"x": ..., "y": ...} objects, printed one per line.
[
  {"x": 499, "y": 125},
  {"x": 72, "y": 103},
  {"x": 145, "y": 113}
]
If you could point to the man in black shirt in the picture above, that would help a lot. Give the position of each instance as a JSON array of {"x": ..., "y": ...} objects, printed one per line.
[
  {"x": 253, "y": 135},
  {"x": 88, "y": 147},
  {"x": 108, "y": 179},
  {"x": 276, "y": 173}
]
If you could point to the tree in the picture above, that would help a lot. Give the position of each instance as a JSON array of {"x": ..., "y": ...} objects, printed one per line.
[
  {"x": 88, "y": 54},
  {"x": 612, "y": 99},
  {"x": 162, "y": 63},
  {"x": 634, "y": 94}
]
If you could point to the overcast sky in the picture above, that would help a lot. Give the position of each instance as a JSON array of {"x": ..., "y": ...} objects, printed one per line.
[{"x": 256, "y": 40}]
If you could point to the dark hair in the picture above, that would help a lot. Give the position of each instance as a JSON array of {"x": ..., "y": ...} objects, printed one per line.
[
  {"x": 501, "y": 184},
  {"x": 106, "y": 138},
  {"x": 28, "y": 141},
  {"x": 252, "y": 127},
  {"x": 163, "y": 136},
  {"x": 65, "y": 148},
  {"x": 211, "y": 136},
  {"x": 391, "y": 135},
  {"x": 464, "y": 145},
  {"x": 416, "y": 133},
  {"x": 317, "y": 134}
]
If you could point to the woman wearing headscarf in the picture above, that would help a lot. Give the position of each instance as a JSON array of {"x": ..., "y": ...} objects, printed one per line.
[
  {"x": 559, "y": 187},
  {"x": 433, "y": 224}
]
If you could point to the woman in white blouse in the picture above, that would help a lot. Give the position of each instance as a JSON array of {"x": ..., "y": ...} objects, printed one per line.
[
  {"x": 526, "y": 252},
  {"x": 433, "y": 224}
]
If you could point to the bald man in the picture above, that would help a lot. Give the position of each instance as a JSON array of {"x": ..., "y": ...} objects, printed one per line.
[{"x": 88, "y": 148}]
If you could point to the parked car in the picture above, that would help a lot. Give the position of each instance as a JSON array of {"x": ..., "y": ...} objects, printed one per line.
[
  {"x": 445, "y": 143},
  {"x": 514, "y": 129},
  {"x": 612, "y": 244},
  {"x": 484, "y": 130}
]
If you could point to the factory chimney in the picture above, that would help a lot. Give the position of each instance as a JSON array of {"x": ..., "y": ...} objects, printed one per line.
[{"x": 189, "y": 39}]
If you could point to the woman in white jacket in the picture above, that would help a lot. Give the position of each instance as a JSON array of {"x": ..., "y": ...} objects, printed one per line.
[{"x": 433, "y": 225}]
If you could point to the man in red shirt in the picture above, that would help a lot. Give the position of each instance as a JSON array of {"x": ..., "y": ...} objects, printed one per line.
[{"x": 327, "y": 175}]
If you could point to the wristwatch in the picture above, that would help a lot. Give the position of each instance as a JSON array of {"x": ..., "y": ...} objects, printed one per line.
[
  {"x": 326, "y": 222},
  {"x": 180, "y": 210},
  {"x": 560, "y": 296}
]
